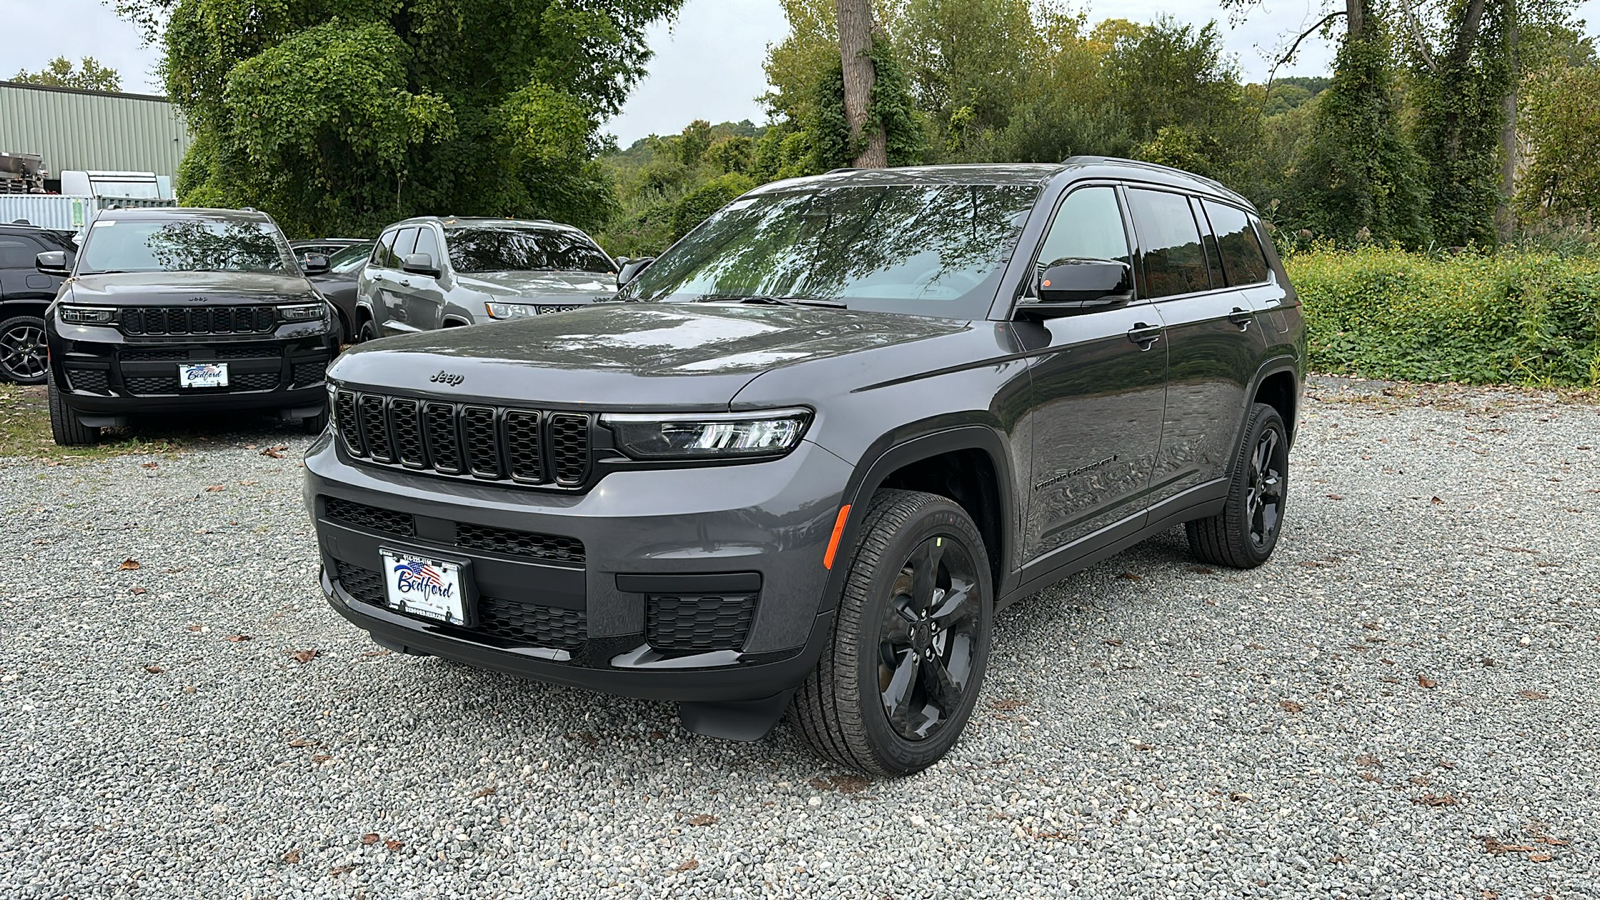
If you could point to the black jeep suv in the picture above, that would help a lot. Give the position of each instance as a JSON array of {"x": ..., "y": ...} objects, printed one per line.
[
  {"x": 837, "y": 426},
  {"x": 177, "y": 310},
  {"x": 24, "y": 294}
]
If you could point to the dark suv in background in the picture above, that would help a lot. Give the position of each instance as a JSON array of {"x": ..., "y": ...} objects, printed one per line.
[
  {"x": 24, "y": 294},
  {"x": 838, "y": 425},
  {"x": 183, "y": 310},
  {"x": 428, "y": 273}
]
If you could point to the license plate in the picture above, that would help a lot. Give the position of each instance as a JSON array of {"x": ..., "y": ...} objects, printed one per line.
[
  {"x": 202, "y": 375},
  {"x": 425, "y": 587}
]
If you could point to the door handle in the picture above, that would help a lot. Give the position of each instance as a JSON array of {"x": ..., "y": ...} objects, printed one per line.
[
  {"x": 1144, "y": 335},
  {"x": 1242, "y": 318}
]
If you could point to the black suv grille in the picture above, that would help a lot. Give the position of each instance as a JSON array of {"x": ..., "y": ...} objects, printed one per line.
[
  {"x": 509, "y": 620},
  {"x": 698, "y": 624},
  {"x": 487, "y": 443},
  {"x": 370, "y": 517},
  {"x": 519, "y": 543},
  {"x": 160, "y": 320}
]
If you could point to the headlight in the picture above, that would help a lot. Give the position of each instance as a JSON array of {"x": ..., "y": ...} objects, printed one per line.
[
  {"x": 302, "y": 312},
  {"x": 511, "y": 310},
  {"x": 708, "y": 435},
  {"x": 85, "y": 315}
]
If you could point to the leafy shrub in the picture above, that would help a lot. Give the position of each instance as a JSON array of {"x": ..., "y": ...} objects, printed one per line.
[
  {"x": 1525, "y": 317},
  {"x": 706, "y": 199}
]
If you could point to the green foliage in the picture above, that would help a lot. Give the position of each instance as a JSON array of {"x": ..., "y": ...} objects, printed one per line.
[
  {"x": 89, "y": 75},
  {"x": 345, "y": 115},
  {"x": 706, "y": 199},
  {"x": 1356, "y": 175},
  {"x": 657, "y": 175},
  {"x": 1561, "y": 120},
  {"x": 1382, "y": 312}
]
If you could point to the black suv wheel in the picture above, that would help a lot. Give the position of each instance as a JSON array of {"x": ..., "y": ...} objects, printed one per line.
[
  {"x": 910, "y": 640},
  {"x": 64, "y": 426},
  {"x": 22, "y": 349},
  {"x": 1243, "y": 534}
]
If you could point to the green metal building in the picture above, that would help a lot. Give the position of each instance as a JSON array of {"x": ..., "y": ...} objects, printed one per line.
[{"x": 74, "y": 129}]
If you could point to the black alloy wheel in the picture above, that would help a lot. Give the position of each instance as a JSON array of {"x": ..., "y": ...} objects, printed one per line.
[
  {"x": 1243, "y": 534},
  {"x": 926, "y": 638},
  {"x": 23, "y": 354}
]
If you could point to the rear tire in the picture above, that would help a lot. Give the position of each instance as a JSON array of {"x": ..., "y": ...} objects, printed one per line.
[
  {"x": 64, "y": 426},
  {"x": 909, "y": 643},
  {"x": 23, "y": 357},
  {"x": 368, "y": 332},
  {"x": 1243, "y": 534}
]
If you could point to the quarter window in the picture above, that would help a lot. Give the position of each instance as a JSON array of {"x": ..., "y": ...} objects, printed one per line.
[
  {"x": 1169, "y": 244},
  {"x": 1242, "y": 257}
]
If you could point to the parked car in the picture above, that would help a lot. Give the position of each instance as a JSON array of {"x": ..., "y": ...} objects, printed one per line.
[
  {"x": 838, "y": 426},
  {"x": 329, "y": 247},
  {"x": 338, "y": 284},
  {"x": 24, "y": 294},
  {"x": 179, "y": 310},
  {"x": 429, "y": 273}
]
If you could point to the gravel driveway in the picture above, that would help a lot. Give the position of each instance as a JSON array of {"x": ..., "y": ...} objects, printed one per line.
[{"x": 1402, "y": 703}]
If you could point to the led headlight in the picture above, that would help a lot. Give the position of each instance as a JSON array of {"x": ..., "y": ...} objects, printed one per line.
[
  {"x": 85, "y": 315},
  {"x": 708, "y": 435},
  {"x": 302, "y": 312},
  {"x": 511, "y": 310}
]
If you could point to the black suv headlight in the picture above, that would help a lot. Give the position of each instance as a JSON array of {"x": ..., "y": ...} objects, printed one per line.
[
  {"x": 741, "y": 435},
  {"x": 303, "y": 312},
  {"x": 85, "y": 315}
]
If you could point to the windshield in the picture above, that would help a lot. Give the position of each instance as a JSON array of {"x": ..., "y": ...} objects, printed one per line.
[
  {"x": 477, "y": 250},
  {"x": 346, "y": 260},
  {"x": 934, "y": 250},
  {"x": 184, "y": 245}
]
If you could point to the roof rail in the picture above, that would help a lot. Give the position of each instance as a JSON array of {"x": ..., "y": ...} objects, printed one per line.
[{"x": 1118, "y": 160}]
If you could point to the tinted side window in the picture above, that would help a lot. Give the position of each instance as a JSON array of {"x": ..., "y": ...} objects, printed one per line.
[
  {"x": 383, "y": 251},
  {"x": 427, "y": 243},
  {"x": 1242, "y": 257},
  {"x": 1169, "y": 244},
  {"x": 18, "y": 252},
  {"x": 1088, "y": 226}
]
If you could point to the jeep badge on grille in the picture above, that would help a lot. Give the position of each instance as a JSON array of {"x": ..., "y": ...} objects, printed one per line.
[{"x": 447, "y": 378}]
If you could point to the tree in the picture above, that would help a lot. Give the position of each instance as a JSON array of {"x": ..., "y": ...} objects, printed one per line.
[
  {"x": 860, "y": 74},
  {"x": 90, "y": 75},
  {"x": 345, "y": 115},
  {"x": 1561, "y": 120}
]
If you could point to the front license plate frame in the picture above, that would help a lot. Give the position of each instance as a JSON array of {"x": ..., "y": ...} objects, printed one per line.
[
  {"x": 426, "y": 585},
  {"x": 203, "y": 375}
]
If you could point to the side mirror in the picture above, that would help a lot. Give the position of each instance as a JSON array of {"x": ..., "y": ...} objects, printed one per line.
[
  {"x": 419, "y": 264},
  {"x": 631, "y": 269},
  {"x": 315, "y": 264},
  {"x": 1070, "y": 287},
  {"x": 53, "y": 262}
]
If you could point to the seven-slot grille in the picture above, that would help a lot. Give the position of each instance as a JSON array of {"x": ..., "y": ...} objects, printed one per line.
[
  {"x": 489, "y": 443},
  {"x": 157, "y": 320}
]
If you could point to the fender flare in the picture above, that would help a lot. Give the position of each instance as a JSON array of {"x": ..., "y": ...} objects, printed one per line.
[{"x": 885, "y": 460}]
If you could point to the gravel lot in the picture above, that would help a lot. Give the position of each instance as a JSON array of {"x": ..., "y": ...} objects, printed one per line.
[{"x": 1402, "y": 703}]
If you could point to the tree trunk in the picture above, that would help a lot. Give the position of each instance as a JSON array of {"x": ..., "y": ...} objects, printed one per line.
[
  {"x": 1355, "y": 16},
  {"x": 855, "y": 41},
  {"x": 1504, "y": 218}
]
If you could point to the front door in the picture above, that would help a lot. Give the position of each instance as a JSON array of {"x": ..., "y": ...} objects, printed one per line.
[
  {"x": 395, "y": 285},
  {"x": 424, "y": 296},
  {"x": 1098, "y": 393}
]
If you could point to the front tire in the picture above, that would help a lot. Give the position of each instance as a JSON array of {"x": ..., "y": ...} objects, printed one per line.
[
  {"x": 22, "y": 350},
  {"x": 315, "y": 424},
  {"x": 368, "y": 332},
  {"x": 1243, "y": 534},
  {"x": 64, "y": 426},
  {"x": 909, "y": 643}
]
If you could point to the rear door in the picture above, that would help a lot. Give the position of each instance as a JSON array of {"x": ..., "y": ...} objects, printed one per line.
[
  {"x": 1213, "y": 341},
  {"x": 1244, "y": 264},
  {"x": 19, "y": 279},
  {"x": 1098, "y": 393}
]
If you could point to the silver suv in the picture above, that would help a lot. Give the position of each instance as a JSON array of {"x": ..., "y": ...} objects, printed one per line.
[{"x": 428, "y": 273}]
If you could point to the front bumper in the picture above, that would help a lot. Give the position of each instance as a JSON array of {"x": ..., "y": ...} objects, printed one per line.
[
  {"x": 105, "y": 377},
  {"x": 690, "y": 584}
]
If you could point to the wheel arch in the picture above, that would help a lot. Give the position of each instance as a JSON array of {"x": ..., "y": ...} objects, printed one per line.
[{"x": 1278, "y": 385}]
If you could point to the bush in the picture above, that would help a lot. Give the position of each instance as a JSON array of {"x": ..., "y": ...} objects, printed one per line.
[
  {"x": 700, "y": 203},
  {"x": 1525, "y": 317}
]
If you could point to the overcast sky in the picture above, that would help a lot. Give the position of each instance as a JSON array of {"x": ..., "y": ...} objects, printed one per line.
[{"x": 707, "y": 64}]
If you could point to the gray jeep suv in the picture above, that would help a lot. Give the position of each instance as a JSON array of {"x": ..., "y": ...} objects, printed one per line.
[
  {"x": 824, "y": 438},
  {"x": 427, "y": 273}
]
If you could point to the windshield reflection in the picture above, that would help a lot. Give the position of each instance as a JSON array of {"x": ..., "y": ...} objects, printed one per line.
[{"x": 189, "y": 245}]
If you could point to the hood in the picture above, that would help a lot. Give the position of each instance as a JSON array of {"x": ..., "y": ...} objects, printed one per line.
[
  {"x": 566, "y": 287},
  {"x": 162, "y": 288},
  {"x": 628, "y": 355}
]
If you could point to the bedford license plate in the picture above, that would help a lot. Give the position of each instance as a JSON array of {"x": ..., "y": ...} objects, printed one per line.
[
  {"x": 202, "y": 375},
  {"x": 425, "y": 587}
]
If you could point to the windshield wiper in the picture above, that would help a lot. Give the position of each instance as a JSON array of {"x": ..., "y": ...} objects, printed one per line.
[{"x": 769, "y": 300}]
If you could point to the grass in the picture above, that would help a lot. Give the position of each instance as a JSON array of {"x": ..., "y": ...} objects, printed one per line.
[{"x": 25, "y": 432}]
